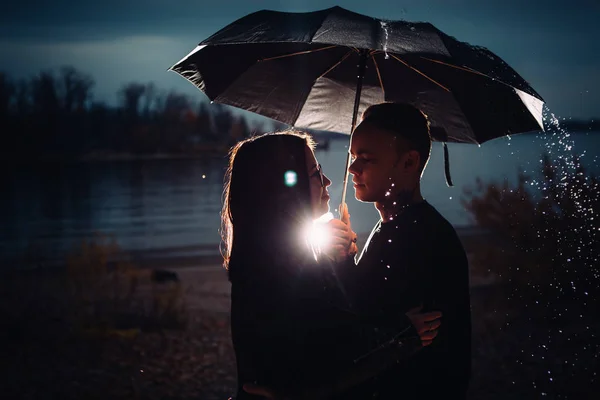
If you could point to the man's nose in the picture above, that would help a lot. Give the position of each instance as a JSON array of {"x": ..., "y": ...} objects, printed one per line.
[
  {"x": 353, "y": 169},
  {"x": 326, "y": 181}
]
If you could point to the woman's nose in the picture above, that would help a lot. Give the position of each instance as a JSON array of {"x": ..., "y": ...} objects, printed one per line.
[{"x": 326, "y": 181}]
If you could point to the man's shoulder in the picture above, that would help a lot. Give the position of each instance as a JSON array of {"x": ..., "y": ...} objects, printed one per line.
[
  {"x": 433, "y": 228},
  {"x": 430, "y": 219}
]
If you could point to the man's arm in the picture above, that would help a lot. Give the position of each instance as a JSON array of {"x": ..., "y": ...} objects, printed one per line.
[
  {"x": 362, "y": 370},
  {"x": 394, "y": 351}
]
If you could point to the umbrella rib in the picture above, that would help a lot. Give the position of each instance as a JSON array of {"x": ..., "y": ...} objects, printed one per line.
[
  {"x": 467, "y": 69},
  {"x": 419, "y": 72},
  {"x": 335, "y": 65},
  {"x": 378, "y": 73},
  {"x": 298, "y": 53},
  {"x": 471, "y": 70}
]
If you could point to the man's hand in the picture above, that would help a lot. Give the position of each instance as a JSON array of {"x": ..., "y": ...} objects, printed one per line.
[
  {"x": 343, "y": 239},
  {"x": 426, "y": 324},
  {"x": 345, "y": 218}
]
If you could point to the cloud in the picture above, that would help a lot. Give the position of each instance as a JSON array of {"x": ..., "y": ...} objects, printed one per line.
[{"x": 111, "y": 63}]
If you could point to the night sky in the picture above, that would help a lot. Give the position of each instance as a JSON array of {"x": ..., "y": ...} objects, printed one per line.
[{"x": 554, "y": 45}]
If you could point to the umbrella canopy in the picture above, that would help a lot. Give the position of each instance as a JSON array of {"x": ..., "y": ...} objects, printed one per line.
[
  {"x": 302, "y": 69},
  {"x": 320, "y": 70}
]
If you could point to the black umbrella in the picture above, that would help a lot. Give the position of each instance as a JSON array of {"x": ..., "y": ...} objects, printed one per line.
[{"x": 319, "y": 70}]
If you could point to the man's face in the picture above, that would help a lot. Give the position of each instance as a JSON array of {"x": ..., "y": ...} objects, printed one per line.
[{"x": 378, "y": 168}]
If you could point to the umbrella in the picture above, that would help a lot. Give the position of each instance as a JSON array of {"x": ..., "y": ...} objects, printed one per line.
[{"x": 319, "y": 70}]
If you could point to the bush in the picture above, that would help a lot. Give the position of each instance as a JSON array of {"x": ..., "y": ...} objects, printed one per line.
[
  {"x": 105, "y": 292},
  {"x": 99, "y": 292},
  {"x": 546, "y": 241},
  {"x": 535, "y": 332}
]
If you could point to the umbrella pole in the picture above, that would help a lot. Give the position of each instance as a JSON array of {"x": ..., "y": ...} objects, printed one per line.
[{"x": 359, "y": 83}]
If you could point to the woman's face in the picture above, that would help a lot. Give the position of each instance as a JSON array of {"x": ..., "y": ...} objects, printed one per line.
[{"x": 319, "y": 196}]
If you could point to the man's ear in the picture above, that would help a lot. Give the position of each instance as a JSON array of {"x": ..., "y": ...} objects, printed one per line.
[{"x": 412, "y": 160}]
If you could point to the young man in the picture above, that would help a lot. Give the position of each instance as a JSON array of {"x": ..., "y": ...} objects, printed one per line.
[{"x": 412, "y": 258}]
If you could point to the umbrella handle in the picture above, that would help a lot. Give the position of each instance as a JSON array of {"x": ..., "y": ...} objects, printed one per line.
[
  {"x": 345, "y": 182},
  {"x": 362, "y": 65}
]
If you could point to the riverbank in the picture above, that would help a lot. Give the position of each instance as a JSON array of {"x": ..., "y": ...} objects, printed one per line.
[
  {"x": 162, "y": 331},
  {"x": 44, "y": 357}
]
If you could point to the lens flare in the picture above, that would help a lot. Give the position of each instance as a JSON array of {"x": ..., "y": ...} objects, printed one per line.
[
  {"x": 290, "y": 178},
  {"x": 317, "y": 236}
]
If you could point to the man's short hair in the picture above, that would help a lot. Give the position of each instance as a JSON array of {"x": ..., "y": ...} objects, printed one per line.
[{"x": 404, "y": 121}]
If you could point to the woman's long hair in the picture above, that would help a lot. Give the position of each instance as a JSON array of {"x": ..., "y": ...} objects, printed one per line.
[{"x": 266, "y": 200}]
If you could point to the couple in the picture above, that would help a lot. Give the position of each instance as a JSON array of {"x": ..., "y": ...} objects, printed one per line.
[{"x": 395, "y": 324}]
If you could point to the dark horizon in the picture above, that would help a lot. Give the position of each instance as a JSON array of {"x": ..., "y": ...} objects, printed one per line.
[{"x": 44, "y": 117}]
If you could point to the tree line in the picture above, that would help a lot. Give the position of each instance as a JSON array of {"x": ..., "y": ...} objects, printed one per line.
[{"x": 54, "y": 114}]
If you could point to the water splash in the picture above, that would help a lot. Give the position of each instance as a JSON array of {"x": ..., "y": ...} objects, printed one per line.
[
  {"x": 568, "y": 196},
  {"x": 385, "y": 26}
]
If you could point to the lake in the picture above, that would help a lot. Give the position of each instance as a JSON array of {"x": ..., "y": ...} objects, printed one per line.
[{"x": 173, "y": 205}]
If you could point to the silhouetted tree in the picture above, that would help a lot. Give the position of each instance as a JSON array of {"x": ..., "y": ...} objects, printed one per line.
[
  {"x": 45, "y": 94},
  {"x": 130, "y": 96},
  {"x": 75, "y": 88},
  {"x": 554, "y": 233},
  {"x": 149, "y": 100},
  {"x": 7, "y": 92},
  {"x": 7, "y": 123},
  {"x": 23, "y": 98},
  {"x": 176, "y": 106},
  {"x": 239, "y": 130},
  {"x": 43, "y": 135},
  {"x": 204, "y": 124},
  {"x": 53, "y": 114},
  {"x": 223, "y": 120},
  {"x": 176, "y": 109}
]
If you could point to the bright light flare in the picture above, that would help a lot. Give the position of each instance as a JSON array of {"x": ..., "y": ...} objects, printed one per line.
[{"x": 317, "y": 235}]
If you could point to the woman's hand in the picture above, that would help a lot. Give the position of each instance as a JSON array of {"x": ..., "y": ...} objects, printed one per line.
[
  {"x": 426, "y": 324},
  {"x": 263, "y": 391}
]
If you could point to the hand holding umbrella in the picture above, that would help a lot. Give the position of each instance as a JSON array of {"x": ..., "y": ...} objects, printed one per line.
[{"x": 343, "y": 239}]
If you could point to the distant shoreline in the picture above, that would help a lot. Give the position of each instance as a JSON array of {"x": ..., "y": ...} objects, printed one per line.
[
  {"x": 145, "y": 157},
  {"x": 109, "y": 156},
  {"x": 198, "y": 154}
]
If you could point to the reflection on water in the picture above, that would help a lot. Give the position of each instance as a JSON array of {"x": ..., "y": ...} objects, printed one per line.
[
  {"x": 145, "y": 204},
  {"x": 166, "y": 204}
]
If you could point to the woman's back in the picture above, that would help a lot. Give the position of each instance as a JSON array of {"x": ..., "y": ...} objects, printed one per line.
[{"x": 283, "y": 328}]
